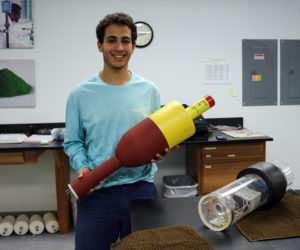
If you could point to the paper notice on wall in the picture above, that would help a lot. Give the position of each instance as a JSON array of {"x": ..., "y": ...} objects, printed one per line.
[{"x": 217, "y": 73}]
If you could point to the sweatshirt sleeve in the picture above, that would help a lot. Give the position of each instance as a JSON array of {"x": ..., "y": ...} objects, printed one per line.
[{"x": 74, "y": 140}]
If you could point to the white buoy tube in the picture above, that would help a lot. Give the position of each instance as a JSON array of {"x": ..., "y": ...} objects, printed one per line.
[
  {"x": 51, "y": 223},
  {"x": 36, "y": 224},
  {"x": 22, "y": 224},
  {"x": 7, "y": 225}
]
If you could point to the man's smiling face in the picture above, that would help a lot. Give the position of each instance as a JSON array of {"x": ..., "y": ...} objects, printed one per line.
[{"x": 117, "y": 46}]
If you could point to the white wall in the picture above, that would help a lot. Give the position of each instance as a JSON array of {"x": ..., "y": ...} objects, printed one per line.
[{"x": 186, "y": 34}]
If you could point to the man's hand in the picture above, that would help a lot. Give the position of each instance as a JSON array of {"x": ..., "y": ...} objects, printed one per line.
[
  {"x": 160, "y": 157},
  {"x": 83, "y": 172}
]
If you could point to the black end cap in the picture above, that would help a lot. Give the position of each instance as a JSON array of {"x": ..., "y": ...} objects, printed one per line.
[{"x": 274, "y": 179}]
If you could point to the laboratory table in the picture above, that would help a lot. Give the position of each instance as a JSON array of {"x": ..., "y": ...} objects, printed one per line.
[
  {"x": 215, "y": 162},
  {"x": 164, "y": 212},
  {"x": 27, "y": 153}
]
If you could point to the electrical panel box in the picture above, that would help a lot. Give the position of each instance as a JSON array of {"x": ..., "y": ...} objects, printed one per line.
[
  {"x": 259, "y": 72},
  {"x": 289, "y": 72}
]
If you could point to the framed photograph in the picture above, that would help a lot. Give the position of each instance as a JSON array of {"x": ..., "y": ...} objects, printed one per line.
[
  {"x": 17, "y": 83},
  {"x": 16, "y": 24}
]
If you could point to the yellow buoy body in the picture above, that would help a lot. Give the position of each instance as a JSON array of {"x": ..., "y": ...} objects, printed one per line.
[{"x": 176, "y": 122}]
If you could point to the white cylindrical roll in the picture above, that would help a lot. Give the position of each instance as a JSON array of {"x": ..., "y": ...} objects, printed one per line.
[
  {"x": 7, "y": 225},
  {"x": 36, "y": 224},
  {"x": 22, "y": 224},
  {"x": 51, "y": 222}
]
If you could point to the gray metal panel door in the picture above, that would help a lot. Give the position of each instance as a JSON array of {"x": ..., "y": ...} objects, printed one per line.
[
  {"x": 290, "y": 72},
  {"x": 259, "y": 72}
]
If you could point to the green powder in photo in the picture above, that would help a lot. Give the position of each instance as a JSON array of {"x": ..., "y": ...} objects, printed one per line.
[{"x": 12, "y": 85}]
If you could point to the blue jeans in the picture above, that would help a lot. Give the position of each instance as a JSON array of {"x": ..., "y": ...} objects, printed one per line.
[{"x": 104, "y": 216}]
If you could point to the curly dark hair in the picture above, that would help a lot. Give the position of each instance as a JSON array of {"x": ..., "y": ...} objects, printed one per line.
[
  {"x": 116, "y": 18},
  {"x": 15, "y": 7}
]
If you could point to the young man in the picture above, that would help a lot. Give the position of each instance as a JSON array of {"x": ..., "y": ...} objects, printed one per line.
[{"x": 99, "y": 111}]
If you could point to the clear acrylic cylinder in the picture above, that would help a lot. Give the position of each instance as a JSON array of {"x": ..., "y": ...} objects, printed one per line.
[{"x": 223, "y": 207}]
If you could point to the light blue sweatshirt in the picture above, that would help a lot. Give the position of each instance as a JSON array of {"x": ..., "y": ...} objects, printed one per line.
[{"x": 98, "y": 114}]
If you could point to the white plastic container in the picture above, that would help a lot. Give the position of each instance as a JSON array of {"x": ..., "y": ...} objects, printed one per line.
[
  {"x": 7, "y": 225},
  {"x": 51, "y": 222},
  {"x": 36, "y": 224},
  {"x": 22, "y": 224}
]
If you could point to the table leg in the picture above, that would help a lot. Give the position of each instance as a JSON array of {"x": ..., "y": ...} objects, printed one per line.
[{"x": 62, "y": 176}]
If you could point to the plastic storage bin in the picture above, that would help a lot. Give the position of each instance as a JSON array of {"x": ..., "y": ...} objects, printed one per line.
[{"x": 179, "y": 186}]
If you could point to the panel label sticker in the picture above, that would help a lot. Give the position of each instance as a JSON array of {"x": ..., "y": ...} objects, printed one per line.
[
  {"x": 256, "y": 78},
  {"x": 259, "y": 56}
]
